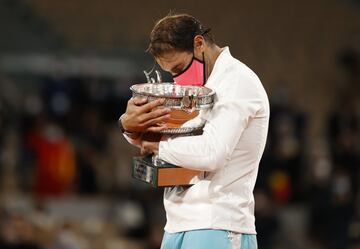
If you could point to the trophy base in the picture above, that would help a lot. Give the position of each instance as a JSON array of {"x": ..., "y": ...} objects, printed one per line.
[{"x": 159, "y": 173}]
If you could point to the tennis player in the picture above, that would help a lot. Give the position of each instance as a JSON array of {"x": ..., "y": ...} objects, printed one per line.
[{"x": 217, "y": 212}]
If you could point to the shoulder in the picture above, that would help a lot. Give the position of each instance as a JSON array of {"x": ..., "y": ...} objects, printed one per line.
[
  {"x": 236, "y": 82},
  {"x": 236, "y": 77}
]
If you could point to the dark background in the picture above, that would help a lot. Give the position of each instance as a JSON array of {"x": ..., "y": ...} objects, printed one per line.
[{"x": 65, "y": 72}]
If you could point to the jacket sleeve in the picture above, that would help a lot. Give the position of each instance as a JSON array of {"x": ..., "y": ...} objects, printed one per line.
[{"x": 226, "y": 122}]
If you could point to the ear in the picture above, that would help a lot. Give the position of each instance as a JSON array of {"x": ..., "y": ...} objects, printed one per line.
[{"x": 199, "y": 43}]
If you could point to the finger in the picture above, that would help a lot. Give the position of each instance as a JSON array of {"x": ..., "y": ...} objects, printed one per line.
[
  {"x": 157, "y": 120},
  {"x": 151, "y": 105},
  {"x": 155, "y": 114},
  {"x": 152, "y": 147},
  {"x": 139, "y": 100},
  {"x": 157, "y": 128},
  {"x": 144, "y": 150}
]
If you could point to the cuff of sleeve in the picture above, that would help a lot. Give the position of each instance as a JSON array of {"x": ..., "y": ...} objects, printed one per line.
[
  {"x": 162, "y": 149},
  {"x": 166, "y": 154},
  {"x": 136, "y": 142}
]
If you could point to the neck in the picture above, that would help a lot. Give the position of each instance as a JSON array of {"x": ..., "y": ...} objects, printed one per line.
[{"x": 210, "y": 57}]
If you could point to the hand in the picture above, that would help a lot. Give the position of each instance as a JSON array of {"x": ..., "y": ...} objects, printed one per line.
[
  {"x": 150, "y": 143},
  {"x": 148, "y": 147},
  {"x": 141, "y": 116}
]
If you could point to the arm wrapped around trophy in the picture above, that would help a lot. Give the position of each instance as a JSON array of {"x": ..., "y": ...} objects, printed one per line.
[{"x": 187, "y": 107}]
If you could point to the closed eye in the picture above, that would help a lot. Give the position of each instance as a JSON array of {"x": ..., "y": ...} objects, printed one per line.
[{"x": 177, "y": 69}]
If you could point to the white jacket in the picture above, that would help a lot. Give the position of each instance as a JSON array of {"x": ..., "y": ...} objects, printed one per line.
[{"x": 229, "y": 151}]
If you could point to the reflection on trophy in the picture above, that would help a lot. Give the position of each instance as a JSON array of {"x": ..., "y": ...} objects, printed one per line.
[{"x": 188, "y": 105}]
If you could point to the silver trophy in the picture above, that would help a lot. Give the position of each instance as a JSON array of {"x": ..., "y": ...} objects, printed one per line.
[{"x": 187, "y": 104}]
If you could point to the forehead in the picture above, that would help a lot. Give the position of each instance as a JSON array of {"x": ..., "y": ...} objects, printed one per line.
[{"x": 170, "y": 59}]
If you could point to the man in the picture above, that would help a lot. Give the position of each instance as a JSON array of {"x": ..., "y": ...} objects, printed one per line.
[{"x": 217, "y": 211}]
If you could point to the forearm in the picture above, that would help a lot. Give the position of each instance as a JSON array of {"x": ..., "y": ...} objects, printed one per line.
[
  {"x": 210, "y": 151},
  {"x": 193, "y": 152}
]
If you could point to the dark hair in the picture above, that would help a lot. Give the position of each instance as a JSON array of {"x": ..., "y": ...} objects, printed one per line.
[{"x": 176, "y": 32}]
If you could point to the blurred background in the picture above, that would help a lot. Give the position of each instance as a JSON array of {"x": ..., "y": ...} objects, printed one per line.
[{"x": 65, "y": 72}]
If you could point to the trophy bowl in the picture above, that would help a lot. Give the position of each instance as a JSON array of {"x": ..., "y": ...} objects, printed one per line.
[{"x": 185, "y": 103}]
